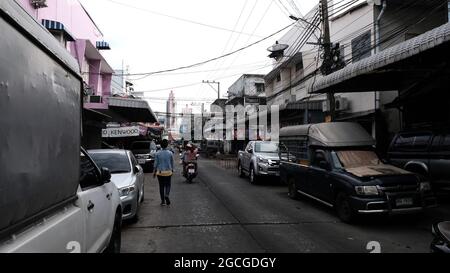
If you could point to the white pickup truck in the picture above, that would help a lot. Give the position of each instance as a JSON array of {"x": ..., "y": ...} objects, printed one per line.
[{"x": 53, "y": 199}]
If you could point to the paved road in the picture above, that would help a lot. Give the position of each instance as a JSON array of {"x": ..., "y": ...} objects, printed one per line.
[{"x": 222, "y": 213}]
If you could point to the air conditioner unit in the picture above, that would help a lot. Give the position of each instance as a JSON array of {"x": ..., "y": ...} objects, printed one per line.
[
  {"x": 94, "y": 99},
  {"x": 341, "y": 104},
  {"x": 37, "y": 4}
]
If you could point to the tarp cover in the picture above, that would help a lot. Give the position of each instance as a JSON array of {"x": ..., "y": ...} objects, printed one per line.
[{"x": 40, "y": 118}]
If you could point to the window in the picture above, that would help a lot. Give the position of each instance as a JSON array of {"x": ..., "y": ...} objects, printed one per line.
[
  {"x": 355, "y": 159},
  {"x": 89, "y": 176},
  {"x": 297, "y": 148},
  {"x": 279, "y": 77},
  {"x": 266, "y": 147},
  {"x": 260, "y": 87},
  {"x": 417, "y": 142},
  {"x": 299, "y": 66},
  {"x": 361, "y": 46},
  {"x": 319, "y": 156},
  {"x": 115, "y": 162}
]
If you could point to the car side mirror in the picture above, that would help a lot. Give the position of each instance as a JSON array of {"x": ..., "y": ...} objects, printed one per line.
[
  {"x": 137, "y": 168},
  {"x": 106, "y": 175},
  {"x": 250, "y": 151}
]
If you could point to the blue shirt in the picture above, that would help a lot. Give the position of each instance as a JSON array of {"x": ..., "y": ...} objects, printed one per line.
[{"x": 164, "y": 161}]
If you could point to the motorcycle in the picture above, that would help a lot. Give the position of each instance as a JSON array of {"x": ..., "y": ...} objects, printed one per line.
[{"x": 191, "y": 170}]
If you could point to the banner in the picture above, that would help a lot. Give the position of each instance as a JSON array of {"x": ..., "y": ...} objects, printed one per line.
[{"x": 121, "y": 132}]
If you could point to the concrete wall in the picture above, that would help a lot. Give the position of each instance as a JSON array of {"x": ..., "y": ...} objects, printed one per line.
[
  {"x": 246, "y": 86},
  {"x": 69, "y": 12}
]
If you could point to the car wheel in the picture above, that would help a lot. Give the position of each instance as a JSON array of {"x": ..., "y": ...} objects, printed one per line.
[
  {"x": 344, "y": 209},
  {"x": 143, "y": 194},
  {"x": 292, "y": 189},
  {"x": 116, "y": 237},
  {"x": 253, "y": 178},
  {"x": 240, "y": 171}
]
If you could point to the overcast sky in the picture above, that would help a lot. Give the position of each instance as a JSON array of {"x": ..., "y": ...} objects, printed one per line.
[{"x": 147, "y": 41}]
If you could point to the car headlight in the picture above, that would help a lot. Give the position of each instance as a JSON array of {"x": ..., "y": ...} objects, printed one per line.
[
  {"x": 126, "y": 191},
  {"x": 367, "y": 190},
  {"x": 425, "y": 186},
  {"x": 263, "y": 160}
]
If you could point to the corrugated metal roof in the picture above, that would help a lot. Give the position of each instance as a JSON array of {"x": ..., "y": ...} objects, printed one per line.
[{"x": 421, "y": 43}]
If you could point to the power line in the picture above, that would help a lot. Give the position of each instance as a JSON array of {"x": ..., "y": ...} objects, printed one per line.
[
  {"x": 198, "y": 83},
  {"x": 174, "y": 17},
  {"x": 248, "y": 40},
  {"x": 231, "y": 35},
  {"x": 207, "y": 61}
]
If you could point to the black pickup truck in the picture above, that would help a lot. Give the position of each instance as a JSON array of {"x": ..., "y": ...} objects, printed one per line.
[
  {"x": 336, "y": 164},
  {"x": 426, "y": 153}
]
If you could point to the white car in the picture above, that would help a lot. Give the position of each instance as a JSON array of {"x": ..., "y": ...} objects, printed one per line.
[{"x": 127, "y": 175}]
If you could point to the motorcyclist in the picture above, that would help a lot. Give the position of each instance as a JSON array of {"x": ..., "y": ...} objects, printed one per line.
[{"x": 190, "y": 155}]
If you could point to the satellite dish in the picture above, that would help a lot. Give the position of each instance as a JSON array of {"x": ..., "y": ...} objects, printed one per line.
[{"x": 278, "y": 47}]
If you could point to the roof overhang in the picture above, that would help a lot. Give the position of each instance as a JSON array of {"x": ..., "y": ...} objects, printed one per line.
[
  {"x": 92, "y": 53},
  {"x": 131, "y": 110},
  {"x": 396, "y": 68}
]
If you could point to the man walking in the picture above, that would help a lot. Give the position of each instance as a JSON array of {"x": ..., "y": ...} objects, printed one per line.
[{"x": 164, "y": 170}]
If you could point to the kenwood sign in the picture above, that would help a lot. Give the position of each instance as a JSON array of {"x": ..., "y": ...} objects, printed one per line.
[{"x": 120, "y": 132}]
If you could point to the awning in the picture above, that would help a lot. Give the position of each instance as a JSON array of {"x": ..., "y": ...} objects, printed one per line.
[
  {"x": 395, "y": 68},
  {"x": 54, "y": 25},
  {"x": 103, "y": 45},
  {"x": 132, "y": 109}
]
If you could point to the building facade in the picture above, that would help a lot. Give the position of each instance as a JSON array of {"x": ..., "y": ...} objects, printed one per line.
[
  {"x": 70, "y": 23},
  {"x": 359, "y": 31}
]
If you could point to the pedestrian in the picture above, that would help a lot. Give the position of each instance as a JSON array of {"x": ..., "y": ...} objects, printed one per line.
[{"x": 164, "y": 171}]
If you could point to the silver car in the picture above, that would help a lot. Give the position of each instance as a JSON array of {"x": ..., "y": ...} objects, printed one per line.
[{"x": 127, "y": 175}]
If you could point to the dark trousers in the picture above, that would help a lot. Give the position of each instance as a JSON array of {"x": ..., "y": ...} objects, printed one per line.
[{"x": 165, "y": 183}]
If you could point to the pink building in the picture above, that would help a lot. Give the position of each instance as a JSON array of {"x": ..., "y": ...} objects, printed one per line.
[{"x": 72, "y": 25}]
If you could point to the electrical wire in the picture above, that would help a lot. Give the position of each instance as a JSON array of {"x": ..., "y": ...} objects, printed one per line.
[
  {"x": 231, "y": 37},
  {"x": 174, "y": 17},
  {"x": 206, "y": 61}
]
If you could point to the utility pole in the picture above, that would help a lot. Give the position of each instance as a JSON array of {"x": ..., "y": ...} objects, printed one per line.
[
  {"x": 328, "y": 58},
  {"x": 218, "y": 87}
]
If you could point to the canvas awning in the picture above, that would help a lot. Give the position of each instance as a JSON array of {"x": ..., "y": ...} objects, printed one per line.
[
  {"x": 57, "y": 26},
  {"x": 395, "y": 68}
]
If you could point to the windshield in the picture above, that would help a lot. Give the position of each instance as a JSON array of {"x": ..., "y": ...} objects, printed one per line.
[
  {"x": 266, "y": 147},
  {"x": 141, "y": 146},
  {"x": 116, "y": 163},
  {"x": 355, "y": 159}
]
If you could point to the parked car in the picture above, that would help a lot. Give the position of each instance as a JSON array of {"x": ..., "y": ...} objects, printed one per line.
[
  {"x": 127, "y": 175},
  {"x": 441, "y": 240},
  {"x": 145, "y": 151},
  {"x": 336, "y": 164},
  {"x": 259, "y": 159},
  {"x": 425, "y": 153},
  {"x": 55, "y": 199}
]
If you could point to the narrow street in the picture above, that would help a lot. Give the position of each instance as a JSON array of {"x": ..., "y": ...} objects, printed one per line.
[{"x": 222, "y": 213}]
